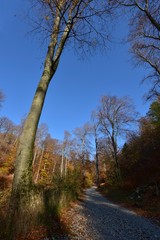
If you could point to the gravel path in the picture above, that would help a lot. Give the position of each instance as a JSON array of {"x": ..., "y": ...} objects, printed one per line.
[{"x": 96, "y": 218}]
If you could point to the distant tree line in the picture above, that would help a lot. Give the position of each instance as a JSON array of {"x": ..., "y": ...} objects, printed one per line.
[{"x": 91, "y": 154}]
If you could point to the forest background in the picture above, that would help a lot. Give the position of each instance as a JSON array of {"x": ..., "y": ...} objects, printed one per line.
[{"x": 64, "y": 162}]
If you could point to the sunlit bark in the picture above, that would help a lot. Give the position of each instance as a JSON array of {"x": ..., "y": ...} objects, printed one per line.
[{"x": 62, "y": 21}]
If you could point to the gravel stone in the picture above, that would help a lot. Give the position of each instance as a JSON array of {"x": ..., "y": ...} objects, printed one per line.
[{"x": 96, "y": 218}]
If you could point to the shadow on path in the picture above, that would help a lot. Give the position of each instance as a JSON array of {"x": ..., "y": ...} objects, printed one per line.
[{"x": 112, "y": 222}]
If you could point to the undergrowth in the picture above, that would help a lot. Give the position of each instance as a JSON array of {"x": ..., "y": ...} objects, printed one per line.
[
  {"x": 46, "y": 213},
  {"x": 146, "y": 203}
]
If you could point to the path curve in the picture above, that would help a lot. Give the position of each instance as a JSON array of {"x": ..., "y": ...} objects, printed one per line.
[{"x": 96, "y": 218}]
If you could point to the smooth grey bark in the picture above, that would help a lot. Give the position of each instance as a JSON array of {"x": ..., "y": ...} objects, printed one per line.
[
  {"x": 22, "y": 191},
  {"x": 64, "y": 20},
  {"x": 22, "y": 182},
  {"x": 26, "y": 142}
]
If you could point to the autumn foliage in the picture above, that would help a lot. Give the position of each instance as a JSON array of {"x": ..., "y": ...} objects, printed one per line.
[{"x": 62, "y": 168}]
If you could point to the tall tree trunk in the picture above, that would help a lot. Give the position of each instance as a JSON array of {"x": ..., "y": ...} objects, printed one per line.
[
  {"x": 22, "y": 191},
  {"x": 22, "y": 183},
  {"x": 115, "y": 156},
  {"x": 97, "y": 163},
  {"x": 83, "y": 171},
  {"x": 83, "y": 164}
]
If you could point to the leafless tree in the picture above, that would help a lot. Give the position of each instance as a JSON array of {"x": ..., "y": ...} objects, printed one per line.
[
  {"x": 66, "y": 148},
  {"x": 144, "y": 37},
  {"x": 95, "y": 132},
  {"x": 41, "y": 135},
  {"x": 115, "y": 117},
  {"x": 83, "y": 142},
  {"x": 6, "y": 126}
]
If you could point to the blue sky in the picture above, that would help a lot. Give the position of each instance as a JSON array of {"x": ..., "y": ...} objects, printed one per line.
[{"x": 78, "y": 84}]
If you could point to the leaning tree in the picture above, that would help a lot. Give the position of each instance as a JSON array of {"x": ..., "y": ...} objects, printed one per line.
[{"x": 80, "y": 24}]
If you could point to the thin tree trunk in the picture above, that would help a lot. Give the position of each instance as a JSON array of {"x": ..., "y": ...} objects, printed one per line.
[
  {"x": 62, "y": 164},
  {"x": 83, "y": 172},
  {"x": 54, "y": 166},
  {"x": 97, "y": 163},
  {"x": 118, "y": 172},
  {"x": 39, "y": 166},
  {"x": 83, "y": 165},
  {"x": 66, "y": 167}
]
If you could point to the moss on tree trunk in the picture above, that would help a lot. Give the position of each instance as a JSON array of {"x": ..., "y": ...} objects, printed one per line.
[{"x": 22, "y": 195}]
